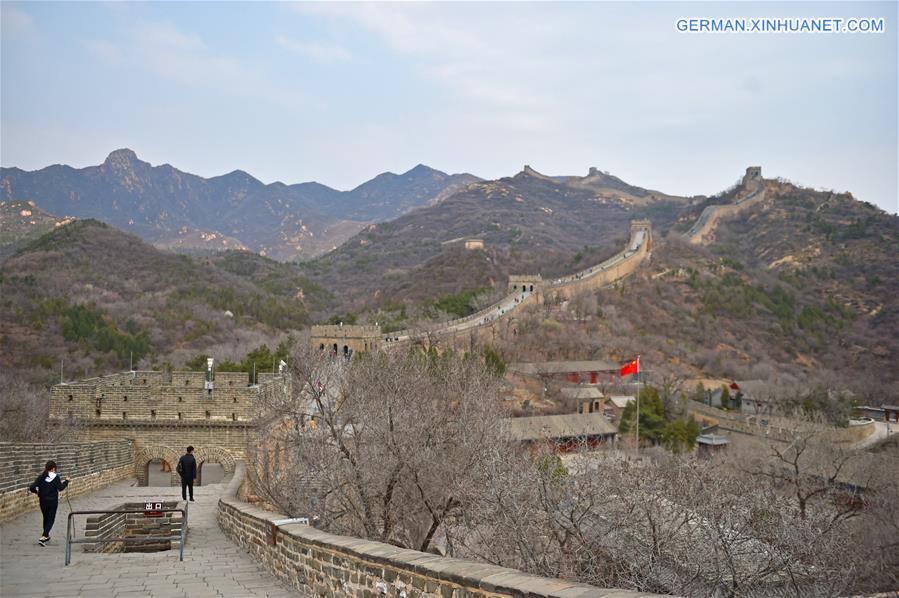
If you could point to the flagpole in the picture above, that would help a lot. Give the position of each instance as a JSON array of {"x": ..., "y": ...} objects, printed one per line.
[{"x": 638, "y": 403}]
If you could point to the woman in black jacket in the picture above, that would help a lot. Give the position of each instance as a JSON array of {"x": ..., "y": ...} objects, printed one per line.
[{"x": 47, "y": 486}]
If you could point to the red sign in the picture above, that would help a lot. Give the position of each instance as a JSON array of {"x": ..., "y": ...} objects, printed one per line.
[{"x": 153, "y": 508}]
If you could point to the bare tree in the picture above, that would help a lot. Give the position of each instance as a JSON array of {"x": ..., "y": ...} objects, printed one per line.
[
  {"x": 396, "y": 443},
  {"x": 411, "y": 450},
  {"x": 25, "y": 412},
  {"x": 673, "y": 525}
]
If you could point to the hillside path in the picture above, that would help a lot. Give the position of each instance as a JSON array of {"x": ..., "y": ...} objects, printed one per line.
[{"x": 213, "y": 566}]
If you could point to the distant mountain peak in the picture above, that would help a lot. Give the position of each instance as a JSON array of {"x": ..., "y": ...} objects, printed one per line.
[
  {"x": 421, "y": 169},
  {"x": 285, "y": 221},
  {"x": 242, "y": 175},
  {"x": 122, "y": 155}
]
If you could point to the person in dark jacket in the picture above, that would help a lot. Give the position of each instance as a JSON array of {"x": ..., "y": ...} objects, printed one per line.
[
  {"x": 47, "y": 486},
  {"x": 187, "y": 469}
]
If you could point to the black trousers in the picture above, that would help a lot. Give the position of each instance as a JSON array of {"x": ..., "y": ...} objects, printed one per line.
[
  {"x": 48, "y": 509},
  {"x": 185, "y": 486}
]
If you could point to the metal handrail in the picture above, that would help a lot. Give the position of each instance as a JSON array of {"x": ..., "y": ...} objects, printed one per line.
[{"x": 70, "y": 527}]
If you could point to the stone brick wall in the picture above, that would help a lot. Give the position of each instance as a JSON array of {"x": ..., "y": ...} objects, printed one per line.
[
  {"x": 108, "y": 525},
  {"x": 156, "y": 396},
  {"x": 617, "y": 267},
  {"x": 91, "y": 465},
  {"x": 779, "y": 428},
  {"x": 711, "y": 215},
  {"x": 487, "y": 325},
  {"x": 355, "y": 338},
  {"x": 135, "y": 525},
  {"x": 324, "y": 564},
  {"x": 164, "y": 412}
]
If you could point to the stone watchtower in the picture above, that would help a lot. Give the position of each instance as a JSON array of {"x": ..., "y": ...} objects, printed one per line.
[
  {"x": 162, "y": 412},
  {"x": 525, "y": 283},
  {"x": 753, "y": 175},
  {"x": 346, "y": 340}
]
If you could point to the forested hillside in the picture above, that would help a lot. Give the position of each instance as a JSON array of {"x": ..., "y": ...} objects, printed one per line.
[
  {"x": 530, "y": 223},
  {"x": 93, "y": 296},
  {"x": 800, "y": 290}
]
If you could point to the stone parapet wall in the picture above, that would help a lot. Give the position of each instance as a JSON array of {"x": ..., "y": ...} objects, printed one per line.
[
  {"x": 152, "y": 396},
  {"x": 348, "y": 331},
  {"x": 617, "y": 268},
  {"x": 164, "y": 412},
  {"x": 324, "y": 564},
  {"x": 778, "y": 428},
  {"x": 711, "y": 215},
  {"x": 218, "y": 442},
  {"x": 91, "y": 465}
]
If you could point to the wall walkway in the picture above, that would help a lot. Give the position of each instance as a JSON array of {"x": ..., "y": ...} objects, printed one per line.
[
  {"x": 617, "y": 267},
  {"x": 708, "y": 219},
  {"x": 213, "y": 566}
]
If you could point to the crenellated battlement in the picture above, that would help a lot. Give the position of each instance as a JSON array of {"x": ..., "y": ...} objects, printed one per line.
[{"x": 166, "y": 411}]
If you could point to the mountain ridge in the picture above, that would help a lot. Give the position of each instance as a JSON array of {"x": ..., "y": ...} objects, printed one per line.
[
  {"x": 795, "y": 288},
  {"x": 160, "y": 203},
  {"x": 528, "y": 222}
]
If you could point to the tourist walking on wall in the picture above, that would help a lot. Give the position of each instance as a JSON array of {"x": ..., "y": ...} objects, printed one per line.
[
  {"x": 187, "y": 469},
  {"x": 47, "y": 486}
]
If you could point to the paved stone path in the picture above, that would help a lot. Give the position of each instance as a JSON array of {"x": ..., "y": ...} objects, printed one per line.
[
  {"x": 213, "y": 565},
  {"x": 882, "y": 431}
]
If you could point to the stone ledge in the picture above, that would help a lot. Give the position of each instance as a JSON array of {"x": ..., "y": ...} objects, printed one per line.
[
  {"x": 324, "y": 564},
  {"x": 77, "y": 459}
]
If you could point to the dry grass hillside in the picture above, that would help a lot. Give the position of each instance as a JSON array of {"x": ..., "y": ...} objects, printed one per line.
[
  {"x": 92, "y": 295},
  {"x": 22, "y": 221},
  {"x": 802, "y": 289},
  {"x": 530, "y": 223}
]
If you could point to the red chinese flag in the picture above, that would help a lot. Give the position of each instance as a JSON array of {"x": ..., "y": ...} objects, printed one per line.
[
  {"x": 631, "y": 367},
  {"x": 735, "y": 386}
]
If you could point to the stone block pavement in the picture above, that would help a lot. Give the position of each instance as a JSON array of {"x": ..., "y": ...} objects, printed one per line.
[{"x": 213, "y": 566}]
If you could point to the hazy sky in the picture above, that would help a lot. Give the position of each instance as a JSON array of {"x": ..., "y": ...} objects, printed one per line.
[{"x": 340, "y": 92}]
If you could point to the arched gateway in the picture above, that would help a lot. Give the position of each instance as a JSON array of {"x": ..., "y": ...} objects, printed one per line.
[{"x": 164, "y": 412}]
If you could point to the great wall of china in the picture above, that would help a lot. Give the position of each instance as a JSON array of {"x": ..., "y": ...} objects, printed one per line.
[
  {"x": 702, "y": 229},
  {"x": 533, "y": 289},
  {"x": 131, "y": 419},
  {"x": 522, "y": 290}
]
